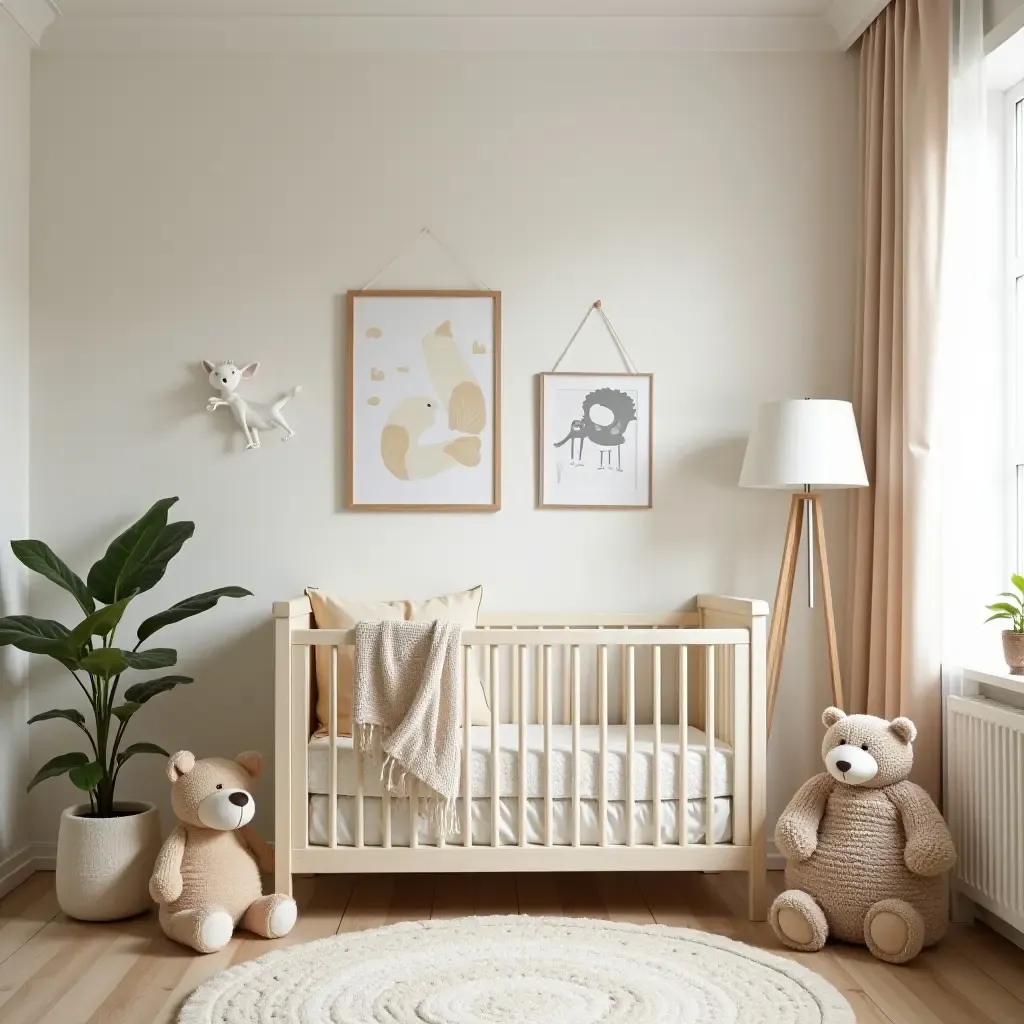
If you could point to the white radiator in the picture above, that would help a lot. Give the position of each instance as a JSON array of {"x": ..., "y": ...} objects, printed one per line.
[{"x": 984, "y": 797}]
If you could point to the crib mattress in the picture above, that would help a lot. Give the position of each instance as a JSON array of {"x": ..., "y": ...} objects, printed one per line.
[
  {"x": 561, "y": 764},
  {"x": 561, "y": 821}
]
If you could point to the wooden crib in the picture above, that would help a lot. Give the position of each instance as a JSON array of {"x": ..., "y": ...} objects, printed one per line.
[{"x": 665, "y": 741}]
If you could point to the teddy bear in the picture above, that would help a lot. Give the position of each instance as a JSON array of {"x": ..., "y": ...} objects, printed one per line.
[
  {"x": 868, "y": 851},
  {"x": 207, "y": 875}
]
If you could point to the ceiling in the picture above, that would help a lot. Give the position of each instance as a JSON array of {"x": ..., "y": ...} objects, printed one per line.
[
  {"x": 304, "y": 26},
  {"x": 447, "y": 8}
]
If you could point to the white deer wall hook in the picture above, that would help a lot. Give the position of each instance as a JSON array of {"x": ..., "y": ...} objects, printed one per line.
[{"x": 252, "y": 417}]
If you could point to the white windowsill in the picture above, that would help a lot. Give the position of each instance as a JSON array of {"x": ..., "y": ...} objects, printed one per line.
[{"x": 996, "y": 677}]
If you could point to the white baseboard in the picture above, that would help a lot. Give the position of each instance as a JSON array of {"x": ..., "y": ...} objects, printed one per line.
[
  {"x": 776, "y": 860},
  {"x": 16, "y": 868},
  {"x": 997, "y": 924},
  {"x": 43, "y": 857}
]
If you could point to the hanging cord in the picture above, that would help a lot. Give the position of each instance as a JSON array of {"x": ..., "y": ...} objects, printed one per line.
[
  {"x": 627, "y": 359},
  {"x": 444, "y": 248}
]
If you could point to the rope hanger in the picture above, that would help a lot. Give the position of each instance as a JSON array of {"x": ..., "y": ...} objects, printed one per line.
[
  {"x": 455, "y": 261},
  {"x": 627, "y": 359}
]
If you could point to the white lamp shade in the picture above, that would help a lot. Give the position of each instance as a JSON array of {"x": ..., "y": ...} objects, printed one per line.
[{"x": 804, "y": 442}]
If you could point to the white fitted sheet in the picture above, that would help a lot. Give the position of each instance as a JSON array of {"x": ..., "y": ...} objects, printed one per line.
[
  {"x": 561, "y": 763},
  {"x": 561, "y": 821}
]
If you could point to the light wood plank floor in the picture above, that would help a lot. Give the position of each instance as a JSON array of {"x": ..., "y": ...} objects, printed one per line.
[{"x": 57, "y": 971}]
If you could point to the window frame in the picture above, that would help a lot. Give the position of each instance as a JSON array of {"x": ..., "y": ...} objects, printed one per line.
[{"x": 1013, "y": 305}]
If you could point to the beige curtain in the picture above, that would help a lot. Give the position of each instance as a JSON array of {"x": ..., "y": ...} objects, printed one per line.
[{"x": 896, "y": 615}]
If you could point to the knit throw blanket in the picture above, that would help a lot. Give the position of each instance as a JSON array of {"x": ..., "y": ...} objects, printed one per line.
[{"x": 406, "y": 710}]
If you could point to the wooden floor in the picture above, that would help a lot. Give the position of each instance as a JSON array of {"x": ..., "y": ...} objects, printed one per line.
[{"x": 57, "y": 971}]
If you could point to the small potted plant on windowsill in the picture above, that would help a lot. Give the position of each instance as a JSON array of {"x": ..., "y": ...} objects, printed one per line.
[
  {"x": 1012, "y": 611},
  {"x": 106, "y": 849}
]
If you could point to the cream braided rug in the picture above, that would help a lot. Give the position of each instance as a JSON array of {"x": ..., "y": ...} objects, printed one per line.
[{"x": 515, "y": 970}]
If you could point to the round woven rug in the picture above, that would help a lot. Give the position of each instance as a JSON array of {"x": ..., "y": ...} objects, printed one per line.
[{"x": 514, "y": 970}]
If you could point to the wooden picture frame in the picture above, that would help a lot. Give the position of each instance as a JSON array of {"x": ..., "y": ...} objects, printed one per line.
[
  {"x": 565, "y": 404},
  {"x": 424, "y": 363}
]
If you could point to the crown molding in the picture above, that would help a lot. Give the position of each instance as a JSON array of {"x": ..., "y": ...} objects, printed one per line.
[
  {"x": 33, "y": 17},
  {"x": 327, "y": 34},
  {"x": 849, "y": 18}
]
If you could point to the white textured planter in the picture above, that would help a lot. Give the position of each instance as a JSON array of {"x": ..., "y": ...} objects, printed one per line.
[{"x": 104, "y": 864}]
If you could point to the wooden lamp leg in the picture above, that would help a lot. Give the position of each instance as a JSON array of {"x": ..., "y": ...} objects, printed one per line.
[
  {"x": 783, "y": 600},
  {"x": 830, "y": 620}
]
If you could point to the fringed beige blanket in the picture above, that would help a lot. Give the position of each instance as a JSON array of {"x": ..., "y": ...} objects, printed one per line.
[{"x": 406, "y": 710}]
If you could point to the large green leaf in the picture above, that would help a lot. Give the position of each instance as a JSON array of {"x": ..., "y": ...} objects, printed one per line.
[
  {"x": 139, "y": 693},
  {"x": 156, "y": 657},
  {"x": 67, "y": 713},
  {"x": 147, "y": 572},
  {"x": 37, "y": 636},
  {"x": 100, "y": 623},
  {"x": 1018, "y": 582},
  {"x": 125, "y": 711},
  {"x": 139, "y": 748},
  {"x": 41, "y": 559},
  {"x": 1003, "y": 606},
  {"x": 87, "y": 776},
  {"x": 187, "y": 608},
  {"x": 106, "y": 662},
  {"x": 58, "y": 766},
  {"x": 128, "y": 549}
]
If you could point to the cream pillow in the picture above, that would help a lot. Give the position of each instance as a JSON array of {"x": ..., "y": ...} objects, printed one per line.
[
  {"x": 462, "y": 608},
  {"x": 331, "y": 612}
]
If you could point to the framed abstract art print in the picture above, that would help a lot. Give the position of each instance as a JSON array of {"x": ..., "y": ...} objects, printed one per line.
[
  {"x": 424, "y": 409},
  {"x": 596, "y": 440}
]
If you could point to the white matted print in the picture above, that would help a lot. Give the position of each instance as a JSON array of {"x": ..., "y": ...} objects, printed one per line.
[
  {"x": 424, "y": 427},
  {"x": 595, "y": 440}
]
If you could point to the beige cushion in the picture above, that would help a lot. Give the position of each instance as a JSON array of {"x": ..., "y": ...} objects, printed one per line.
[{"x": 330, "y": 612}]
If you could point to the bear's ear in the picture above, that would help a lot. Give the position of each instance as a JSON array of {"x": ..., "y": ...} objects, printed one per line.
[
  {"x": 180, "y": 764},
  {"x": 904, "y": 728},
  {"x": 252, "y": 762},
  {"x": 830, "y": 716}
]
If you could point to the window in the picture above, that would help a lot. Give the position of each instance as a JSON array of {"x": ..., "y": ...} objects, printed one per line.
[{"x": 1015, "y": 301}]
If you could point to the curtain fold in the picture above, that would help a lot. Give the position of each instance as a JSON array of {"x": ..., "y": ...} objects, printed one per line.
[{"x": 896, "y": 643}]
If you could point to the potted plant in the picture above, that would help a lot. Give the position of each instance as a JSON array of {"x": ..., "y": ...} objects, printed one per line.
[
  {"x": 106, "y": 849},
  {"x": 1012, "y": 611}
]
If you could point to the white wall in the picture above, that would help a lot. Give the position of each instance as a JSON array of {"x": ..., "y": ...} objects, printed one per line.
[
  {"x": 200, "y": 206},
  {"x": 14, "y": 341}
]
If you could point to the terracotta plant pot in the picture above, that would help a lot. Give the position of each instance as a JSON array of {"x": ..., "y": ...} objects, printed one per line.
[
  {"x": 1013, "y": 651},
  {"x": 104, "y": 864}
]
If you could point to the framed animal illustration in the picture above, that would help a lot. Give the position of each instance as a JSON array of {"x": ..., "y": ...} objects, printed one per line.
[
  {"x": 596, "y": 440},
  {"x": 424, "y": 409}
]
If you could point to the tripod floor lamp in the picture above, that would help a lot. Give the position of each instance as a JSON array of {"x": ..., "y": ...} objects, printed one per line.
[{"x": 804, "y": 446}]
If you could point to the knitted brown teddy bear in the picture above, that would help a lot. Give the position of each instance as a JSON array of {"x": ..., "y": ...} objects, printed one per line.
[
  {"x": 207, "y": 874},
  {"x": 867, "y": 850}
]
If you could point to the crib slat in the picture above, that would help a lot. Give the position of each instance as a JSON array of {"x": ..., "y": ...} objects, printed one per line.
[
  {"x": 602, "y": 701},
  {"x": 566, "y": 684},
  {"x": 332, "y": 733},
  {"x": 538, "y": 697},
  {"x": 684, "y": 715},
  {"x": 711, "y": 746},
  {"x": 548, "y": 829},
  {"x": 656, "y": 714},
  {"x": 523, "y": 721},
  {"x": 630, "y": 743},
  {"x": 414, "y": 813},
  {"x": 495, "y": 747},
  {"x": 623, "y": 658},
  {"x": 467, "y": 754},
  {"x": 575, "y": 685},
  {"x": 360, "y": 809},
  {"x": 515, "y": 683}
]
